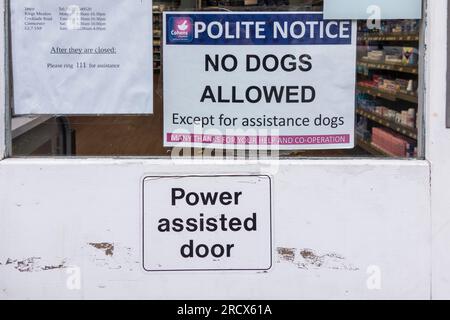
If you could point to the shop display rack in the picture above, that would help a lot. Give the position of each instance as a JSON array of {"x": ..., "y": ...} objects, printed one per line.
[
  {"x": 388, "y": 95},
  {"x": 389, "y": 67},
  {"x": 158, "y": 8},
  {"x": 388, "y": 37},
  {"x": 157, "y": 27},
  {"x": 372, "y": 149},
  {"x": 398, "y": 127},
  {"x": 381, "y": 79}
]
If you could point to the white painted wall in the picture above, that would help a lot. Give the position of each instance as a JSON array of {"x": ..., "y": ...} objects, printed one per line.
[
  {"x": 370, "y": 213},
  {"x": 438, "y": 144},
  {"x": 2, "y": 82},
  {"x": 345, "y": 215}
]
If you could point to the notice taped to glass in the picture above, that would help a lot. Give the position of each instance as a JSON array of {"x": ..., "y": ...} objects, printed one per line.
[
  {"x": 258, "y": 81},
  {"x": 82, "y": 57}
]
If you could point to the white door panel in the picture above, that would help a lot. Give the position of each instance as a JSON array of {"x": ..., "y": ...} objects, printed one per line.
[{"x": 341, "y": 229}]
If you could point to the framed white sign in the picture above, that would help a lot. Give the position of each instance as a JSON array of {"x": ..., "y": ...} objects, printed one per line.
[
  {"x": 82, "y": 57},
  {"x": 372, "y": 9},
  {"x": 207, "y": 223},
  {"x": 258, "y": 80}
]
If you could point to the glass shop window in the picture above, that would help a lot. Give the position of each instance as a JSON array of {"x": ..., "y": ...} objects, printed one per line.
[{"x": 386, "y": 107}]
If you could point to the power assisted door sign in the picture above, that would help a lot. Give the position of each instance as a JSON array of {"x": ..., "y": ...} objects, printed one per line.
[{"x": 207, "y": 223}]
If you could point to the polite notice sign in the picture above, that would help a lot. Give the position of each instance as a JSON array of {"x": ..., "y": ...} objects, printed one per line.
[
  {"x": 195, "y": 223},
  {"x": 82, "y": 57},
  {"x": 259, "y": 80}
]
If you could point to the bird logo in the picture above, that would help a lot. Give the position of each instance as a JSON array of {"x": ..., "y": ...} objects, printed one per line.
[{"x": 183, "y": 26}]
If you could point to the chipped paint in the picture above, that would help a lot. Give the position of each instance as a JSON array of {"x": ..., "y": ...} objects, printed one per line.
[
  {"x": 308, "y": 259},
  {"x": 60, "y": 266},
  {"x": 107, "y": 247},
  {"x": 32, "y": 264},
  {"x": 26, "y": 265},
  {"x": 113, "y": 256},
  {"x": 286, "y": 254}
]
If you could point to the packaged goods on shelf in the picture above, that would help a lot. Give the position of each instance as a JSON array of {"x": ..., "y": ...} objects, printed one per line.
[
  {"x": 403, "y": 26},
  {"x": 376, "y": 55},
  {"x": 394, "y": 27},
  {"x": 407, "y": 56},
  {"x": 410, "y": 56},
  {"x": 393, "y": 59},
  {"x": 393, "y": 143},
  {"x": 364, "y": 101},
  {"x": 391, "y": 85},
  {"x": 406, "y": 118},
  {"x": 387, "y": 99},
  {"x": 393, "y": 54},
  {"x": 362, "y": 130}
]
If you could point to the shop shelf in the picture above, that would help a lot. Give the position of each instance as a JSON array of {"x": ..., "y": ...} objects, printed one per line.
[
  {"x": 402, "y": 129},
  {"x": 388, "y": 95},
  {"x": 389, "y": 67},
  {"x": 370, "y": 148},
  {"x": 388, "y": 37}
]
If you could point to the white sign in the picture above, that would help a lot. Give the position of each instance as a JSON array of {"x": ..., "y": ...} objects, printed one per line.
[
  {"x": 82, "y": 56},
  {"x": 372, "y": 9},
  {"x": 259, "y": 80},
  {"x": 206, "y": 223}
]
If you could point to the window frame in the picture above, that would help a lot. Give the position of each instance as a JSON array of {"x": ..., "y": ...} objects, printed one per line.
[{"x": 6, "y": 114}]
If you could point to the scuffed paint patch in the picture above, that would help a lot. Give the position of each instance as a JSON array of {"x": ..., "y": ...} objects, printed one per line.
[
  {"x": 32, "y": 264},
  {"x": 286, "y": 254},
  {"x": 112, "y": 256},
  {"x": 308, "y": 259},
  {"x": 60, "y": 266},
  {"x": 107, "y": 247},
  {"x": 26, "y": 265}
]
